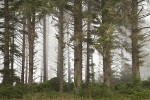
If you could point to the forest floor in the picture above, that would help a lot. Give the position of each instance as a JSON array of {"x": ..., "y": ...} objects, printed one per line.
[
  {"x": 67, "y": 96},
  {"x": 53, "y": 95},
  {"x": 49, "y": 91}
]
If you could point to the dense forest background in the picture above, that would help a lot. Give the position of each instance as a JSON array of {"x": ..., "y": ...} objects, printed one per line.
[{"x": 83, "y": 45}]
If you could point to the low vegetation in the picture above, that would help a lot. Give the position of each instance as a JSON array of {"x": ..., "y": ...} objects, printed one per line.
[{"x": 50, "y": 91}]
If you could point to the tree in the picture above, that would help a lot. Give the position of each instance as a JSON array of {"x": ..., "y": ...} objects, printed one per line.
[
  {"x": 9, "y": 48},
  {"x": 33, "y": 10},
  {"x": 31, "y": 37},
  {"x": 106, "y": 39},
  {"x": 104, "y": 29},
  {"x": 45, "y": 70},
  {"x": 23, "y": 51},
  {"x": 7, "y": 33},
  {"x": 135, "y": 38},
  {"x": 68, "y": 57},
  {"x": 88, "y": 44},
  {"x": 77, "y": 14},
  {"x": 12, "y": 52},
  {"x": 60, "y": 63},
  {"x": 27, "y": 60},
  {"x": 61, "y": 42}
]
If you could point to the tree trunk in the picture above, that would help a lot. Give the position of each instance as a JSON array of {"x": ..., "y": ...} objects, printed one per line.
[
  {"x": 68, "y": 56},
  {"x": 23, "y": 52},
  {"x": 27, "y": 61},
  {"x": 134, "y": 39},
  {"x": 92, "y": 69},
  {"x": 12, "y": 57},
  {"x": 78, "y": 44},
  {"x": 45, "y": 77},
  {"x": 88, "y": 45},
  {"x": 61, "y": 44},
  {"x": 31, "y": 36},
  {"x": 107, "y": 65},
  {"x": 6, "y": 74},
  {"x": 106, "y": 35}
]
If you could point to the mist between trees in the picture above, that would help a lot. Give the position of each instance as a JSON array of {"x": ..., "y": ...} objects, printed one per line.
[{"x": 78, "y": 41}]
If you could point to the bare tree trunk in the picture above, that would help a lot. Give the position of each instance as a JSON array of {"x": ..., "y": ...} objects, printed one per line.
[
  {"x": 88, "y": 45},
  {"x": 92, "y": 69},
  {"x": 41, "y": 78},
  {"x": 23, "y": 52},
  {"x": 106, "y": 34},
  {"x": 12, "y": 57},
  {"x": 107, "y": 65},
  {"x": 6, "y": 74},
  {"x": 134, "y": 38},
  {"x": 78, "y": 44},
  {"x": 69, "y": 65},
  {"x": 31, "y": 36},
  {"x": 58, "y": 62},
  {"x": 61, "y": 44},
  {"x": 27, "y": 61},
  {"x": 45, "y": 77}
]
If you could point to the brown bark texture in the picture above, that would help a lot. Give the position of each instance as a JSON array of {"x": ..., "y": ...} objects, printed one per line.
[{"x": 78, "y": 43}]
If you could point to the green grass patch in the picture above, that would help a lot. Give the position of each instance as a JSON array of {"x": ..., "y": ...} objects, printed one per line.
[{"x": 50, "y": 91}]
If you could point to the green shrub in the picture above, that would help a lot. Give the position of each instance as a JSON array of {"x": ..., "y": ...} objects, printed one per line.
[
  {"x": 146, "y": 84},
  {"x": 96, "y": 91},
  {"x": 43, "y": 87},
  {"x": 126, "y": 89},
  {"x": 135, "y": 93},
  {"x": 140, "y": 95},
  {"x": 53, "y": 85},
  {"x": 68, "y": 87},
  {"x": 10, "y": 92}
]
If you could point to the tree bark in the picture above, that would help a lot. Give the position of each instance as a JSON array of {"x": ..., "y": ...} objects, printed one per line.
[
  {"x": 92, "y": 69},
  {"x": 23, "y": 52},
  {"x": 6, "y": 74},
  {"x": 27, "y": 60},
  {"x": 134, "y": 39},
  {"x": 45, "y": 77},
  {"x": 12, "y": 57},
  {"x": 68, "y": 56},
  {"x": 31, "y": 36},
  {"x": 78, "y": 44},
  {"x": 61, "y": 44},
  {"x": 106, "y": 35},
  {"x": 88, "y": 46}
]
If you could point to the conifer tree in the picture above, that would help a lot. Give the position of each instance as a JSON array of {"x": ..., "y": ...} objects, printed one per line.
[
  {"x": 78, "y": 38},
  {"x": 135, "y": 38},
  {"x": 6, "y": 73}
]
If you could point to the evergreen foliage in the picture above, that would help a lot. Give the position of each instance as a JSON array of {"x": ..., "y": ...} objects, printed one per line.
[{"x": 93, "y": 25}]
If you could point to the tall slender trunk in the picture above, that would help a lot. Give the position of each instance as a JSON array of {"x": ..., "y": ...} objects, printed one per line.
[
  {"x": 12, "y": 57},
  {"x": 78, "y": 44},
  {"x": 106, "y": 35},
  {"x": 68, "y": 56},
  {"x": 31, "y": 36},
  {"x": 45, "y": 77},
  {"x": 27, "y": 60},
  {"x": 88, "y": 45},
  {"x": 134, "y": 39},
  {"x": 6, "y": 74},
  {"x": 107, "y": 65},
  {"x": 23, "y": 52},
  {"x": 41, "y": 78},
  {"x": 58, "y": 62},
  {"x": 92, "y": 69},
  {"x": 61, "y": 44}
]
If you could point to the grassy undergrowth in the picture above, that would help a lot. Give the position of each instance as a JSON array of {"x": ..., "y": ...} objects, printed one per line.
[
  {"x": 50, "y": 91},
  {"x": 66, "y": 96},
  {"x": 52, "y": 96}
]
